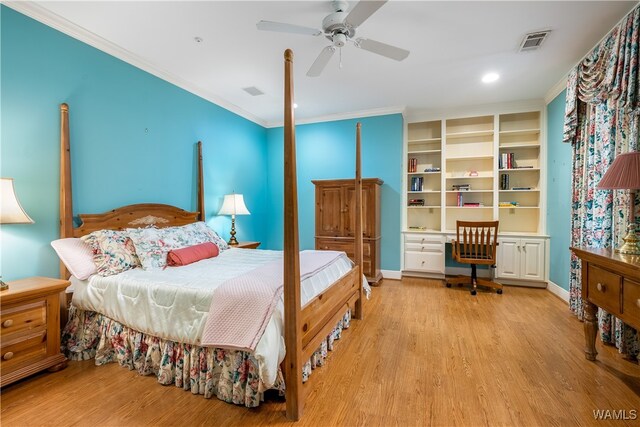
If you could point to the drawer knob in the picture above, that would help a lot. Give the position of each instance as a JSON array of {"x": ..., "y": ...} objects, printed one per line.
[
  {"x": 7, "y": 323},
  {"x": 422, "y": 262},
  {"x": 8, "y": 355},
  {"x": 601, "y": 287},
  {"x": 638, "y": 302}
]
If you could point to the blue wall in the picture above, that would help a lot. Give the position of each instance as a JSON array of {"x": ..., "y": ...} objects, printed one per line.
[
  {"x": 327, "y": 151},
  {"x": 558, "y": 193},
  {"x": 132, "y": 141}
]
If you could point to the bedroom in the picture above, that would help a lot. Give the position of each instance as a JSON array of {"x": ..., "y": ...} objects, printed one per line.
[{"x": 138, "y": 131}]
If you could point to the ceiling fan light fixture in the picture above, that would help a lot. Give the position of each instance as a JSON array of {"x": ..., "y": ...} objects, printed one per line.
[{"x": 490, "y": 78}]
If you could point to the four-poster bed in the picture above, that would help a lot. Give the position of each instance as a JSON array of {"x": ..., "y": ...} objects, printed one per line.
[{"x": 306, "y": 328}]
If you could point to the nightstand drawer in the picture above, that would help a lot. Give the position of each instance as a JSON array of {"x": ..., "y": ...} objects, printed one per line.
[
  {"x": 24, "y": 350},
  {"x": 631, "y": 302},
  {"x": 16, "y": 319},
  {"x": 604, "y": 289}
]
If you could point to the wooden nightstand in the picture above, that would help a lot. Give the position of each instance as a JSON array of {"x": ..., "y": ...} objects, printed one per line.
[
  {"x": 30, "y": 328},
  {"x": 246, "y": 245}
]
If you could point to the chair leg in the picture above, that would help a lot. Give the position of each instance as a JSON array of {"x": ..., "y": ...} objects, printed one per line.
[{"x": 474, "y": 279}]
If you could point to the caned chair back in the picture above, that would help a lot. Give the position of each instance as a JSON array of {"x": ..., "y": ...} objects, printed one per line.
[{"x": 475, "y": 242}]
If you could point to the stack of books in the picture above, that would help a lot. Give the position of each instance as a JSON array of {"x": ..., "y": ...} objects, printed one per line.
[
  {"x": 473, "y": 205},
  {"x": 508, "y": 204},
  {"x": 413, "y": 164},
  {"x": 416, "y": 202},
  {"x": 416, "y": 183},
  {"x": 461, "y": 187}
]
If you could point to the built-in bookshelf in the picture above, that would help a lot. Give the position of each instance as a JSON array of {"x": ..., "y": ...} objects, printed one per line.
[
  {"x": 475, "y": 168},
  {"x": 424, "y": 175}
]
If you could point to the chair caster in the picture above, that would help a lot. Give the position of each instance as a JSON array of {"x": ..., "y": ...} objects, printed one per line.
[
  {"x": 448, "y": 285},
  {"x": 473, "y": 292},
  {"x": 499, "y": 291}
]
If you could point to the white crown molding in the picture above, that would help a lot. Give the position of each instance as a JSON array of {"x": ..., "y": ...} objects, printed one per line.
[
  {"x": 55, "y": 21},
  {"x": 342, "y": 116},
  {"x": 558, "y": 291},
  {"x": 555, "y": 90},
  {"x": 474, "y": 110}
]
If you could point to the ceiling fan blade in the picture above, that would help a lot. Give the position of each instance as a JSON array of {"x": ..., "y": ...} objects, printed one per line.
[
  {"x": 287, "y": 28},
  {"x": 321, "y": 61},
  {"x": 362, "y": 11},
  {"x": 382, "y": 49}
]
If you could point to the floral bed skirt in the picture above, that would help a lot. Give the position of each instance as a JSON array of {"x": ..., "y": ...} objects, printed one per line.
[{"x": 230, "y": 375}]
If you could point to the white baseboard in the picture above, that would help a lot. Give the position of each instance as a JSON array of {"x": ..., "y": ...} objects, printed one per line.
[
  {"x": 391, "y": 274},
  {"x": 558, "y": 291}
]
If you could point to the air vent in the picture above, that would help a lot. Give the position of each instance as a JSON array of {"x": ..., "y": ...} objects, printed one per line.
[
  {"x": 533, "y": 41},
  {"x": 253, "y": 91}
]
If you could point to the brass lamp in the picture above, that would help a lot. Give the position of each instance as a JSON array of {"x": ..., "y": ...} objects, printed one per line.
[
  {"x": 624, "y": 174},
  {"x": 11, "y": 211},
  {"x": 233, "y": 205}
]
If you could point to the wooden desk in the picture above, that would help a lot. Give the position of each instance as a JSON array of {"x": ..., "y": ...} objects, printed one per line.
[{"x": 610, "y": 281}]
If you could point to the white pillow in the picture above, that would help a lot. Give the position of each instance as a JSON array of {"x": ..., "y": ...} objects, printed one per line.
[{"x": 77, "y": 256}]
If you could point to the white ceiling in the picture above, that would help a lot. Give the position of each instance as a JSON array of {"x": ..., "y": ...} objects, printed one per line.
[{"x": 452, "y": 45}]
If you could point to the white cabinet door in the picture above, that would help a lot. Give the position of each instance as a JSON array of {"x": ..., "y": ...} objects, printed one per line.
[
  {"x": 532, "y": 255},
  {"x": 508, "y": 258}
]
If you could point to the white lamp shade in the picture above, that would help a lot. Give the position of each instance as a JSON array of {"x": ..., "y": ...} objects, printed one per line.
[
  {"x": 233, "y": 204},
  {"x": 11, "y": 211}
]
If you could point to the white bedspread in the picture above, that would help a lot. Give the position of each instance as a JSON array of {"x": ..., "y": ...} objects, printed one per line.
[{"x": 173, "y": 303}]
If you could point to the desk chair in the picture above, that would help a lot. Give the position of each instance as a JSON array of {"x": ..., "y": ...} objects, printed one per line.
[{"x": 475, "y": 244}]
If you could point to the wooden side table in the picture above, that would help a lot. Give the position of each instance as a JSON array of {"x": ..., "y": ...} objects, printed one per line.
[
  {"x": 246, "y": 245},
  {"x": 30, "y": 328}
]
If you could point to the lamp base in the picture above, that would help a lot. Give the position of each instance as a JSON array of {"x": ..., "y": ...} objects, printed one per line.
[
  {"x": 631, "y": 244},
  {"x": 232, "y": 240},
  {"x": 3, "y": 286}
]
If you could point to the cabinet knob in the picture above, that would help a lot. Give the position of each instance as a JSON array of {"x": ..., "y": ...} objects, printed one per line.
[
  {"x": 638, "y": 302},
  {"x": 8, "y": 355},
  {"x": 7, "y": 323},
  {"x": 601, "y": 287},
  {"x": 422, "y": 262}
]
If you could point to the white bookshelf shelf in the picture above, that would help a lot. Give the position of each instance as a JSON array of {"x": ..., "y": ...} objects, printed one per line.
[
  {"x": 518, "y": 170},
  {"x": 462, "y": 158},
  {"x": 424, "y": 151},
  {"x": 469, "y": 134}
]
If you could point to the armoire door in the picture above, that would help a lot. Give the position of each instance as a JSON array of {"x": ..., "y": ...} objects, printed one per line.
[
  {"x": 330, "y": 211},
  {"x": 350, "y": 214}
]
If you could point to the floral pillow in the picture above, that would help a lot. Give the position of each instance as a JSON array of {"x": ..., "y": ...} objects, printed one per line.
[
  {"x": 113, "y": 251},
  {"x": 153, "y": 244}
]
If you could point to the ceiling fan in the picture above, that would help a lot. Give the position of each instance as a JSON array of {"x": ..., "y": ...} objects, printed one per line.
[{"x": 340, "y": 28}]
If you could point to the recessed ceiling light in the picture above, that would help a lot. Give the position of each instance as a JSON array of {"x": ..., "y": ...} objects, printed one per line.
[
  {"x": 198, "y": 39},
  {"x": 295, "y": 105},
  {"x": 490, "y": 77}
]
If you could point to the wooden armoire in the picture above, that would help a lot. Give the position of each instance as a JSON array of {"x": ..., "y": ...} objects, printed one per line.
[{"x": 335, "y": 220}]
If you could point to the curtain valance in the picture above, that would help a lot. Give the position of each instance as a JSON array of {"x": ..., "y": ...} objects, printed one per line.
[{"x": 609, "y": 73}]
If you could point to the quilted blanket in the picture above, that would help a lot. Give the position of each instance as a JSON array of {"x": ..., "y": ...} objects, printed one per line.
[{"x": 242, "y": 306}]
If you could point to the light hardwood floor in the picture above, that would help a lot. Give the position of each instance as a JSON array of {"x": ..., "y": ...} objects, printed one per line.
[{"x": 424, "y": 355}]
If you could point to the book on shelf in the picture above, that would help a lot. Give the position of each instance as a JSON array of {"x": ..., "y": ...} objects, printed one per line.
[
  {"x": 460, "y": 200},
  {"x": 504, "y": 181},
  {"x": 432, "y": 170},
  {"x": 507, "y": 161},
  {"x": 508, "y": 204},
  {"x": 417, "y": 183},
  {"x": 461, "y": 187},
  {"x": 417, "y": 227},
  {"x": 473, "y": 205},
  {"x": 416, "y": 202},
  {"x": 413, "y": 164},
  {"x": 521, "y": 188}
]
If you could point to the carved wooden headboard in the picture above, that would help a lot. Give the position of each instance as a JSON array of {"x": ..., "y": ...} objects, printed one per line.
[{"x": 138, "y": 215}]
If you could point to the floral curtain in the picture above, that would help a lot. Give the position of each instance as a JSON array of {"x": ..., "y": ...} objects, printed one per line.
[{"x": 601, "y": 121}]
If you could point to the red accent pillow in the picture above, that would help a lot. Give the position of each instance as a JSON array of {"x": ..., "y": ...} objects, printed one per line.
[{"x": 191, "y": 254}]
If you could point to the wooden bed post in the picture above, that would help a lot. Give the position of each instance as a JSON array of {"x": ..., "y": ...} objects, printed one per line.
[
  {"x": 66, "y": 205},
  {"x": 358, "y": 314},
  {"x": 200, "y": 184},
  {"x": 292, "y": 337}
]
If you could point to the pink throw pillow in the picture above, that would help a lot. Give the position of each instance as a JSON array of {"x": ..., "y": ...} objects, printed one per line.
[{"x": 77, "y": 256}]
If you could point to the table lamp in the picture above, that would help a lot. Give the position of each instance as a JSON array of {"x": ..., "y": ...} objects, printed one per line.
[
  {"x": 233, "y": 205},
  {"x": 624, "y": 174},
  {"x": 11, "y": 211}
]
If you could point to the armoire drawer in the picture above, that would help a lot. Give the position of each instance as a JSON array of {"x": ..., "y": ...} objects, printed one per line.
[
  {"x": 604, "y": 288},
  {"x": 344, "y": 246}
]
